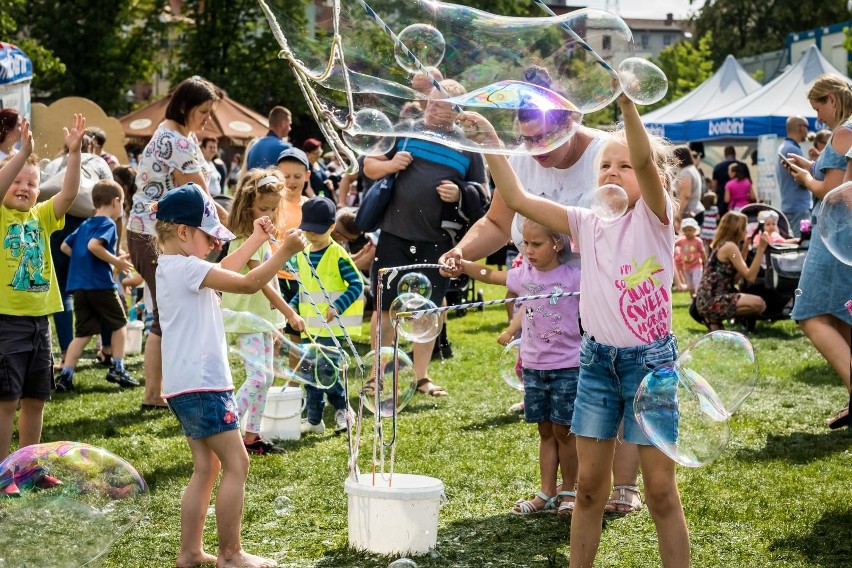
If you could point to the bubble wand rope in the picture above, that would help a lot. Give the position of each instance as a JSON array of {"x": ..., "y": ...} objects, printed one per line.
[
  {"x": 408, "y": 54},
  {"x": 579, "y": 40},
  {"x": 418, "y": 313}
]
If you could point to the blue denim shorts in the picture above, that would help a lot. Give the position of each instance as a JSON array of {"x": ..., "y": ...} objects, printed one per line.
[
  {"x": 549, "y": 395},
  {"x": 609, "y": 378},
  {"x": 204, "y": 414}
]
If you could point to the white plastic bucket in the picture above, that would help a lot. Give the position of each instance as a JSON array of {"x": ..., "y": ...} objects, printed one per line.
[
  {"x": 133, "y": 344},
  {"x": 283, "y": 413},
  {"x": 400, "y": 519}
]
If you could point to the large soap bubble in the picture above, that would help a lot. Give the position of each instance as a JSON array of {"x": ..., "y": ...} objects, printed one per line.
[
  {"x": 609, "y": 202},
  {"x": 726, "y": 360},
  {"x": 504, "y": 64},
  {"x": 420, "y": 328},
  {"x": 834, "y": 222},
  {"x": 309, "y": 364},
  {"x": 369, "y": 120},
  {"x": 509, "y": 366},
  {"x": 422, "y": 41},
  {"x": 415, "y": 283},
  {"x": 64, "y": 504},
  {"x": 682, "y": 416},
  {"x": 642, "y": 81},
  {"x": 406, "y": 382}
]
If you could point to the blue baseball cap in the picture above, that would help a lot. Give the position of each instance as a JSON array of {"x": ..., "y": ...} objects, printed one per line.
[
  {"x": 294, "y": 154},
  {"x": 189, "y": 205},
  {"x": 318, "y": 214}
]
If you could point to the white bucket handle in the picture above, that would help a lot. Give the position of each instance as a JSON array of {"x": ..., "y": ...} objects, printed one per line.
[{"x": 286, "y": 416}]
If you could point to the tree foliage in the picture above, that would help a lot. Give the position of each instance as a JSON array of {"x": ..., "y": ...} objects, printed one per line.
[
  {"x": 90, "y": 48},
  {"x": 749, "y": 27},
  {"x": 686, "y": 64}
]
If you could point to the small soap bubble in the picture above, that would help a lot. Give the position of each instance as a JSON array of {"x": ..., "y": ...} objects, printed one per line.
[
  {"x": 835, "y": 222},
  {"x": 424, "y": 42},
  {"x": 412, "y": 249},
  {"x": 406, "y": 381},
  {"x": 420, "y": 328},
  {"x": 609, "y": 202},
  {"x": 403, "y": 563},
  {"x": 642, "y": 81},
  {"x": 283, "y": 505},
  {"x": 366, "y": 134},
  {"x": 509, "y": 366},
  {"x": 797, "y": 292},
  {"x": 416, "y": 283}
]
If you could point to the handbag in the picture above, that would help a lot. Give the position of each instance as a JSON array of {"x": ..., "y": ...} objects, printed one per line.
[
  {"x": 82, "y": 206},
  {"x": 375, "y": 201}
]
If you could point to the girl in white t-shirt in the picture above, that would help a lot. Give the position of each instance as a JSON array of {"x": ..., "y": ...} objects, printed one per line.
[
  {"x": 625, "y": 307},
  {"x": 196, "y": 378}
]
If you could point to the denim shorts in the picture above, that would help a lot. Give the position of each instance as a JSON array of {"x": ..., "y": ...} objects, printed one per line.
[
  {"x": 609, "y": 378},
  {"x": 205, "y": 414},
  {"x": 549, "y": 395}
]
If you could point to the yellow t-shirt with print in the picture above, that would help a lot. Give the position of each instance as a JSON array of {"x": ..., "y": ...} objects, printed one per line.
[{"x": 28, "y": 285}]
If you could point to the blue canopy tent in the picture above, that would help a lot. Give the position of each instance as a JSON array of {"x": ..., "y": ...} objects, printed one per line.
[
  {"x": 731, "y": 83},
  {"x": 16, "y": 74},
  {"x": 766, "y": 110}
]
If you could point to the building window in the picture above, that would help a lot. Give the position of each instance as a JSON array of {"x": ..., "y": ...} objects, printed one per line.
[
  {"x": 607, "y": 42},
  {"x": 667, "y": 39},
  {"x": 645, "y": 41}
]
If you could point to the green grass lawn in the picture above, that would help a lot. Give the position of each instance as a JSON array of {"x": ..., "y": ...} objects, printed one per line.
[{"x": 779, "y": 495}]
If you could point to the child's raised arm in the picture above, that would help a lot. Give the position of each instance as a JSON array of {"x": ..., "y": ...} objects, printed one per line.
[
  {"x": 13, "y": 167},
  {"x": 239, "y": 258},
  {"x": 543, "y": 211},
  {"x": 482, "y": 273},
  {"x": 642, "y": 160},
  {"x": 71, "y": 184}
]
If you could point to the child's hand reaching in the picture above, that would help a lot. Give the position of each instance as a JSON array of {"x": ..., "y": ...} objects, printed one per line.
[
  {"x": 294, "y": 241},
  {"x": 74, "y": 136},
  {"x": 296, "y": 322},
  {"x": 26, "y": 138},
  {"x": 264, "y": 226},
  {"x": 477, "y": 128},
  {"x": 505, "y": 338},
  {"x": 330, "y": 313},
  {"x": 124, "y": 264}
]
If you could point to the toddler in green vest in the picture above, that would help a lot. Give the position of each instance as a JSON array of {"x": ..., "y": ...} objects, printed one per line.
[{"x": 326, "y": 303}]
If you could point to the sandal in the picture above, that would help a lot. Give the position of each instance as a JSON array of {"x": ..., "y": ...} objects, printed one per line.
[
  {"x": 426, "y": 386},
  {"x": 566, "y": 508},
  {"x": 622, "y": 505},
  {"x": 840, "y": 419},
  {"x": 523, "y": 507}
]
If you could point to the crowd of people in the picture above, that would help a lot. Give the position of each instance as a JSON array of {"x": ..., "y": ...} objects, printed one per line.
[{"x": 296, "y": 257}]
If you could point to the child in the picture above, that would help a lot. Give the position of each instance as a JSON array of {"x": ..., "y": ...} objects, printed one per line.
[
  {"x": 711, "y": 218},
  {"x": 342, "y": 281},
  {"x": 550, "y": 350},
  {"x": 29, "y": 291},
  {"x": 196, "y": 378},
  {"x": 717, "y": 298},
  {"x": 770, "y": 227},
  {"x": 692, "y": 254},
  {"x": 626, "y": 308},
  {"x": 259, "y": 195},
  {"x": 92, "y": 247}
]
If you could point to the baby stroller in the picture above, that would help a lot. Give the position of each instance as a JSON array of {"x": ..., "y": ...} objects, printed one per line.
[
  {"x": 778, "y": 277},
  {"x": 462, "y": 290}
]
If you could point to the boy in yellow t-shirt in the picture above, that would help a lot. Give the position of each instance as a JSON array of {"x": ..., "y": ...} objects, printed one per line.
[{"x": 28, "y": 288}]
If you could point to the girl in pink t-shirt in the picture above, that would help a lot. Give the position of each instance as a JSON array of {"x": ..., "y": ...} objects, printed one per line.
[
  {"x": 625, "y": 307},
  {"x": 550, "y": 352},
  {"x": 739, "y": 191}
]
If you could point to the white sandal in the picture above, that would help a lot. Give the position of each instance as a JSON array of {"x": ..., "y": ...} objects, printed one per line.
[
  {"x": 523, "y": 507},
  {"x": 622, "y": 500},
  {"x": 566, "y": 508}
]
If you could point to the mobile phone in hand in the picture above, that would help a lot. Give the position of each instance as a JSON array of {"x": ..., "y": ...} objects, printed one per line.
[{"x": 785, "y": 160}]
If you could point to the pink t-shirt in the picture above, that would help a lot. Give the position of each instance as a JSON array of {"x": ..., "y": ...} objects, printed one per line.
[
  {"x": 739, "y": 190},
  {"x": 550, "y": 332},
  {"x": 690, "y": 252},
  {"x": 627, "y": 267}
]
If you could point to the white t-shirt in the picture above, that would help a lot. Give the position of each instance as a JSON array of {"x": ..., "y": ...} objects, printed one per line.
[
  {"x": 214, "y": 180},
  {"x": 626, "y": 277},
  {"x": 571, "y": 186},
  {"x": 195, "y": 354}
]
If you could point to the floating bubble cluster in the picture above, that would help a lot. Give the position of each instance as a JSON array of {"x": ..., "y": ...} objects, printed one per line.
[
  {"x": 65, "y": 504},
  {"x": 834, "y": 222},
  {"x": 420, "y": 328},
  {"x": 503, "y": 65},
  {"x": 509, "y": 367},
  {"x": 307, "y": 363},
  {"x": 406, "y": 383},
  {"x": 684, "y": 406}
]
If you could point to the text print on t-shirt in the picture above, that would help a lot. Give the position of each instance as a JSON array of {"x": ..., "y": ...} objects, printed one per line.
[{"x": 644, "y": 301}]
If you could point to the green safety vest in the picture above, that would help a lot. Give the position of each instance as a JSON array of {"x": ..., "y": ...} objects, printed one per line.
[{"x": 335, "y": 285}]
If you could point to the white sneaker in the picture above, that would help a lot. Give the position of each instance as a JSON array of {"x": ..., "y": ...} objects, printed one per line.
[
  {"x": 313, "y": 428},
  {"x": 343, "y": 420}
]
